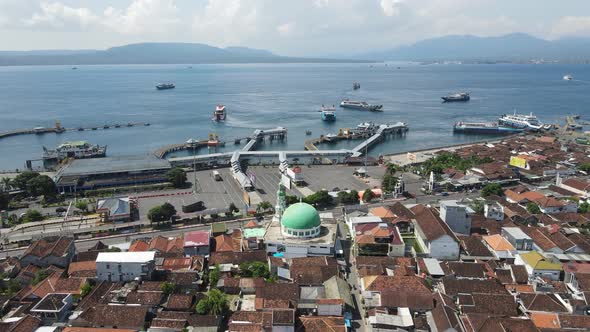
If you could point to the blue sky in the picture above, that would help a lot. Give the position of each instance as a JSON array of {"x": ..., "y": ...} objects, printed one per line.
[{"x": 299, "y": 27}]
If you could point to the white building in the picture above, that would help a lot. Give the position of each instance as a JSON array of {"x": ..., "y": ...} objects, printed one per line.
[
  {"x": 433, "y": 235},
  {"x": 456, "y": 215},
  {"x": 493, "y": 210},
  {"x": 125, "y": 266}
]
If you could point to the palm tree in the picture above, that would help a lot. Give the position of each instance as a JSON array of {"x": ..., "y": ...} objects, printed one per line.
[{"x": 6, "y": 183}]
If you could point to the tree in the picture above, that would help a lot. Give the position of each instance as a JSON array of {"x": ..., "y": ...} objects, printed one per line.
[
  {"x": 41, "y": 185},
  {"x": 176, "y": 176},
  {"x": 32, "y": 215},
  {"x": 291, "y": 199},
  {"x": 389, "y": 182},
  {"x": 368, "y": 195},
  {"x": 477, "y": 206},
  {"x": 40, "y": 276},
  {"x": 215, "y": 303},
  {"x": 4, "y": 200},
  {"x": 584, "y": 167},
  {"x": 533, "y": 208},
  {"x": 393, "y": 168},
  {"x": 20, "y": 181},
  {"x": 85, "y": 289},
  {"x": 254, "y": 269},
  {"x": 167, "y": 287},
  {"x": 214, "y": 276},
  {"x": 584, "y": 207},
  {"x": 81, "y": 205},
  {"x": 6, "y": 184},
  {"x": 263, "y": 207},
  {"x": 231, "y": 209},
  {"x": 319, "y": 199},
  {"x": 351, "y": 197},
  {"x": 161, "y": 213},
  {"x": 492, "y": 189}
]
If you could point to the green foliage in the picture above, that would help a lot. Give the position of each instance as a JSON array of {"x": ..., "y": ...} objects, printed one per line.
[
  {"x": 351, "y": 197},
  {"x": 254, "y": 269},
  {"x": 41, "y": 185},
  {"x": 177, "y": 177},
  {"x": 6, "y": 184},
  {"x": 113, "y": 249},
  {"x": 32, "y": 215},
  {"x": 214, "y": 276},
  {"x": 85, "y": 290},
  {"x": 393, "y": 168},
  {"x": 82, "y": 205},
  {"x": 584, "y": 207},
  {"x": 168, "y": 288},
  {"x": 10, "y": 288},
  {"x": 533, "y": 208},
  {"x": 161, "y": 213},
  {"x": 448, "y": 160},
  {"x": 368, "y": 195},
  {"x": 21, "y": 180},
  {"x": 319, "y": 199},
  {"x": 215, "y": 303},
  {"x": 264, "y": 207},
  {"x": 584, "y": 167},
  {"x": 492, "y": 189},
  {"x": 389, "y": 182},
  {"x": 291, "y": 199},
  {"x": 232, "y": 209},
  {"x": 477, "y": 206},
  {"x": 40, "y": 276},
  {"x": 4, "y": 200}
]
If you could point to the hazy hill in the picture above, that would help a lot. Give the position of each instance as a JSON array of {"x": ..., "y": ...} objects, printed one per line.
[
  {"x": 512, "y": 47},
  {"x": 152, "y": 53}
]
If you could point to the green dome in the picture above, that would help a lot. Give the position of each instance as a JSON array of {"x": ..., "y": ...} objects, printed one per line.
[{"x": 301, "y": 216}]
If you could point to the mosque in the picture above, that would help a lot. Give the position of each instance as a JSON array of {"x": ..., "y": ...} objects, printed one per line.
[{"x": 298, "y": 231}]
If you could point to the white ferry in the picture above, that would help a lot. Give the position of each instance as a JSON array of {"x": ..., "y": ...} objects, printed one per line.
[
  {"x": 520, "y": 121},
  {"x": 360, "y": 105}
]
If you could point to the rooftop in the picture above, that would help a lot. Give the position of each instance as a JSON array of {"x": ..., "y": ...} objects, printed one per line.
[
  {"x": 126, "y": 257},
  {"x": 93, "y": 166},
  {"x": 327, "y": 235}
]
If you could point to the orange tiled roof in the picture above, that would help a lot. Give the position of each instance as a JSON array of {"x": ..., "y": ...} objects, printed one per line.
[
  {"x": 545, "y": 320},
  {"x": 498, "y": 243}
]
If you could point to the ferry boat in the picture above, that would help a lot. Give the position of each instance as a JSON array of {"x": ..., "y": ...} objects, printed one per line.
[
  {"x": 568, "y": 77},
  {"x": 520, "y": 121},
  {"x": 461, "y": 96},
  {"x": 165, "y": 86},
  {"x": 360, "y": 105},
  {"x": 330, "y": 137},
  {"x": 219, "y": 114},
  {"x": 365, "y": 126},
  {"x": 76, "y": 150},
  {"x": 328, "y": 113},
  {"x": 484, "y": 128}
]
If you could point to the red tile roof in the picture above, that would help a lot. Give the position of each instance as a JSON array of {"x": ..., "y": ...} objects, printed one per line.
[
  {"x": 49, "y": 247},
  {"x": 196, "y": 239}
]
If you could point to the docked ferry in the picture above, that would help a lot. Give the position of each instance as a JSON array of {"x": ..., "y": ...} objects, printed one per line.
[
  {"x": 76, "y": 150},
  {"x": 461, "y": 96},
  {"x": 328, "y": 113},
  {"x": 165, "y": 86},
  {"x": 520, "y": 121},
  {"x": 360, "y": 105},
  {"x": 219, "y": 114},
  {"x": 491, "y": 128}
]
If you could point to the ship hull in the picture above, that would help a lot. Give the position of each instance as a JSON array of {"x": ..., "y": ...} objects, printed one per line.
[
  {"x": 328, "y": 117},
  {"x": 363, "y": 108},
  {"x": 451, "y": 99},
  {"x": 486, "y": 130}
]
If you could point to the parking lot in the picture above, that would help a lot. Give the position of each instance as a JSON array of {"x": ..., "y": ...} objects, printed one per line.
[{"x": 219, "y": 194}]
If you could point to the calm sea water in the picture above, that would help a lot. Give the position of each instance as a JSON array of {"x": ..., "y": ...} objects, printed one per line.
[{"x": 266, "y": 96}]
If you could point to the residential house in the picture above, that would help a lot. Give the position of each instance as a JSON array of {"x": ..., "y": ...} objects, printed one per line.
[
  {"x": 433, "y": 235},
  {"x": 493, "y": 210},
  {"x": 501, "y": 248},
  {"x": 378, "y": 239},
  {"x": 197, "y": 243},
  {"x": 397, "y": 292},
  {"x": 517, "y": 238},
  {"x": 457, "y": 215},
  {"x": 322, "y": 324},
  {"x": 47, "y": 251},
  {"x": 576, "y": 185},
  {"x": 167, "y": 247},
  {"x": 114, "y": 209},
  {"x": 537, "y": 266},
  {"x": 541, "y": 242},
  {"x": 113, "y": 316},
  {"x": 54, "y": 307},
  {"x": 473, "y": 248},
  {"x": 274, "y": 320},
  {"x": 125, "y": 266}
]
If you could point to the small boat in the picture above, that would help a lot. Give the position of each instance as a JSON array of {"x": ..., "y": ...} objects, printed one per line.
[
  {"x": 165, "y": 86},
  {"x": 356, "y": 85},
  {"x": 146, "y": 124},
  {"x": 130, "y": 125},
  {"x": 74, "y": 68},
  {"x": 360, "y": 105},
  {"x": 106, "y": 127},
  {"x": 117, "y": 125},
  {"x": 308, "y": 132},
  {"x": 330, "y": 137},
  {"x": 576, "y": 116},
  {"x": 461, "y": 96},
  {"x": 219, "y": 113},
  {"x": 94, "y": 128},
  {"x": 80, "y": 129},
  {"x": 365, "y": 126},
  {"x": 328, "y": 113},
  {"x": 568, "y": 77}
]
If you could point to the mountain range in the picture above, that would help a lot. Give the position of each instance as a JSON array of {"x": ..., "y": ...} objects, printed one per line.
[
  {"x": 512, "y": 47},
  {"x": 153, "y": 53}
]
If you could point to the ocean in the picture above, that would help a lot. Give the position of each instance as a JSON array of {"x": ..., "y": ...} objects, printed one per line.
[{"x": 260, "y": 96}]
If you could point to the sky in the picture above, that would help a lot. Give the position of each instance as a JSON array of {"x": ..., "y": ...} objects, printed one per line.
[{"x": 286, "y": 27}]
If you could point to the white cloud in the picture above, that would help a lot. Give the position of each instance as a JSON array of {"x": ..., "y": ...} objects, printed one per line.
[
  {"x": 286, "y": 29},
  {"x": 140, "y": 17},
  {"x": 391, "y": 7},
  {"x": 571, "y": 26}
]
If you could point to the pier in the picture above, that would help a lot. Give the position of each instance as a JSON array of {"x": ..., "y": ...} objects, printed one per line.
[
  {"x": 397, "y": 128},
  {"x": 58, "y": 129},
  {"x": 259, "y": 135}
]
